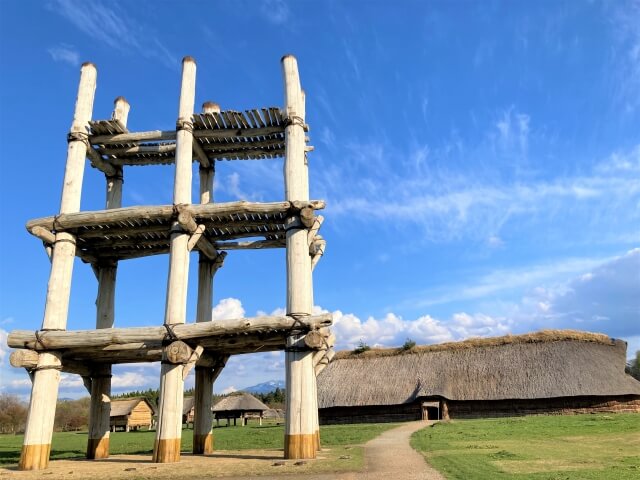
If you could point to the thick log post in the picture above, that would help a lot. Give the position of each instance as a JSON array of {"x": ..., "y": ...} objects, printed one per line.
[
  {"x": 301, "y": 430},
  {"x": 169, "y": 431},
  {"x": 100, "y": 409},
  {"x": 203, "y": 418},
  {"x": 44, "y": 393},
  {"x": 202, "y": 437}
]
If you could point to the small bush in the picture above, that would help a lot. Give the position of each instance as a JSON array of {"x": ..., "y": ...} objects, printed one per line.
[
  {"x": 362, "y": 347},
  {"x": 408, "y": 345}
]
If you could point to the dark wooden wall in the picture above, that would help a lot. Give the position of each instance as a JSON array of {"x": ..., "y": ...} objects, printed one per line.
[
  {"x": 481, "y": 409},
  {"x": 548, "y": 406}
]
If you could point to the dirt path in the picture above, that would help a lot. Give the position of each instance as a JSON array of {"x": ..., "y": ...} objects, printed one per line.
[
  {"x": 387, "y": 457},
  {"x": 390, "y": 456}
]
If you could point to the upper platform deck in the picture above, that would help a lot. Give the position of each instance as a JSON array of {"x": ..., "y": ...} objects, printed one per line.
[{"x": 226, "y": 135}]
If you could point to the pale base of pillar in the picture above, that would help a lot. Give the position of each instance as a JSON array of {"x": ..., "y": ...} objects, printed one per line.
[
  {"x": 98, "y": 448},
  {"x": 300, "y": 446},
  {"x": 318, "y": 446},
  {"x": 202, "y": 444},
  {"x": 34, "y": 457},
  {"x": 166, "y": 450}
]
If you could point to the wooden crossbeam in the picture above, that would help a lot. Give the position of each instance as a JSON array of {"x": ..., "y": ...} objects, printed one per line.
[
  {"x": 52, "y": 340},
  {"x": 167, "y": 135}
]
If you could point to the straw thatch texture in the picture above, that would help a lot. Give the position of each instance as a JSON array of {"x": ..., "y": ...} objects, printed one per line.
[
  {"x": 544, "y": 365},
  {"x": 243, "y": 402}
]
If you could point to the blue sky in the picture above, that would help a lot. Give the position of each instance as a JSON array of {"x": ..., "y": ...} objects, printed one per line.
[{"x": 480, "y": 161}]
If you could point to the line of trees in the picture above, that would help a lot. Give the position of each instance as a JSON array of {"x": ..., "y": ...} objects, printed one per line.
[
  {"x": 273, "y": 399},
  {"x": 71, "y": 415},
  {"x": 13, "y": 414}
]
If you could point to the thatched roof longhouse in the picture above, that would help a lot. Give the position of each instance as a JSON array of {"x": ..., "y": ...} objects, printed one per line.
[{"x": 547, "y": 364}]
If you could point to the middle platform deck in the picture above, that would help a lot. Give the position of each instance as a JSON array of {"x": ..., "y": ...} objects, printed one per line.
[{"x": 132, "y": 232}]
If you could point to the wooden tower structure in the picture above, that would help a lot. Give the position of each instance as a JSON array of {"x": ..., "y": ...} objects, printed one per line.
[{"x": 106, "y": 237}]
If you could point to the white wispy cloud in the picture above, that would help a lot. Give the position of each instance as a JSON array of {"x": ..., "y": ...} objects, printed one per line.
[
  {"x": 111, "y": 25},
  {"x": 275, "y": 11},
  {"x": 501, "y": 281},
  {"x": 603, "y": 298},
  {"x": 625, "y": 21},
  {"x": 447, "y": 204},
  {"x": 65, "y": 54},
  {"x": 513, "y": 130}
]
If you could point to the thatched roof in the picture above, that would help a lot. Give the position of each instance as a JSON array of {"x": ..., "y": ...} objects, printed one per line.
[
  {"x": 123, "y": 407},
  {"x": 187, "y": 405},
  {"x": 546, "y": 364},
  {"x": 274, "y": 413},
  {"x": 239, "y": 402}
]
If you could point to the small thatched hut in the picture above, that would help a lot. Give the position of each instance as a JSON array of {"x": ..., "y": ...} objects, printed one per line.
[
  {"x": 545, "y": 372},
  {"x": 131, "y": 413},
  {"x": 188, "y": 411},
  {"x": 242, "y": 406}
]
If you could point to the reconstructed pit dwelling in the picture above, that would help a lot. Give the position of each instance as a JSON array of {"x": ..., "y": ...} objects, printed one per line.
[{"x": 103, "y": 238}]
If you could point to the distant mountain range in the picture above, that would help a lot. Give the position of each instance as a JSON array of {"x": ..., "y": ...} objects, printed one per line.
[{"x": 265, "y": 387}]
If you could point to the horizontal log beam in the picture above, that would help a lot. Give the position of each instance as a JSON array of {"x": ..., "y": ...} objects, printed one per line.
[
  {"x": 28, "y": 359},
  {"x": 145, "y": 353},
  {"x": 148, "y": 136},
  {"x": 166, "y": 135},
  {"x": 242, "y": 154},
  {"x": 49, "y": 239},
  {"x": 157, "y": 213},
  {"x": 117, "y": 152},
  {"x": 54, "y": 340},
  {"x": 250, "y": 244}
]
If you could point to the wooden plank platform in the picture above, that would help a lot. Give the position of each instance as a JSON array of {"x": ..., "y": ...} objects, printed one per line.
[
  {"x": 132, "y": 232},
  {"x": 227, "y": 135}
]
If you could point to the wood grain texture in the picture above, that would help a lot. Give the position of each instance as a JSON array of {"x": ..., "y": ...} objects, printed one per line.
[
  {"x": 166, "y": 450},
  {"x": 98, "y": 448},
  {"x": 169, "y": 428},
  {"x": 300, "y": 446},
  {"x": 44, "y": 392},
  {"x": 51, "y": 340},
  {"x": 301, "y": 416},
  {"x": 34, "y": 457},
  {"x": 202, "y": 444}
]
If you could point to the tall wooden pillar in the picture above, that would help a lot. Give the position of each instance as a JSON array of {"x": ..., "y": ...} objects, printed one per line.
[
  {"x": 166, "y": 448},
  {"x": 300, "y": 426},
  {"x": 44, "y": 393},
  {"x": 202, "y": 423},
  {"x": 100, "y": 409},
  {"x": 314, "y": 396}
]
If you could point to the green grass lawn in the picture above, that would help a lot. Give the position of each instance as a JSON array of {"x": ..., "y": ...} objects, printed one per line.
[
  {"x": 535, "y": 448},
  {"x": 268, "y": 436}
]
